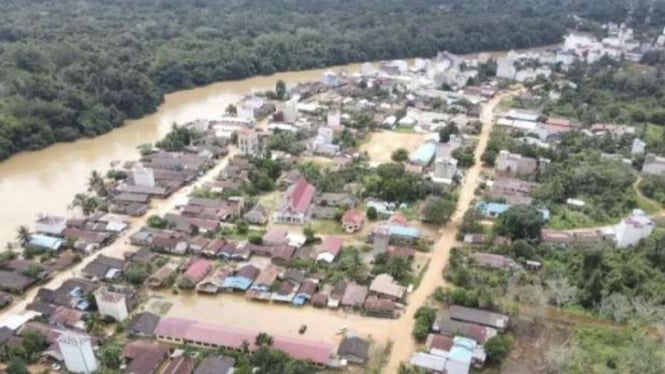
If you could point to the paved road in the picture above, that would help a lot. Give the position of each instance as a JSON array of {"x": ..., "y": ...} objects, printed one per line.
[
  {"x": 120, "y": 246},
  {"x": 403, "y": 343}
]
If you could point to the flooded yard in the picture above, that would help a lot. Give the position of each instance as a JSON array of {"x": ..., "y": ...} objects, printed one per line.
[
  {"x": 382, "y": 144},
  {"x": 278, "y": 319}
]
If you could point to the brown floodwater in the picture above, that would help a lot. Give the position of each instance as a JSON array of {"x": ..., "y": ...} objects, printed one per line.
[{"x": 45, "y": 181}]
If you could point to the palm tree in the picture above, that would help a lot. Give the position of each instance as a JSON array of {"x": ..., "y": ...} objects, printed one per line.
[
  {"x": 96, "y": 184},
  {"x": 93, "y": 323},
  {"x": 23, "y": 235},
  {"x": 263, "y": 339}
]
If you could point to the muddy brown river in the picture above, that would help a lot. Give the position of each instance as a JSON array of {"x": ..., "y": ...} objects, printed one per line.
[{"x": 45, "y": 181}]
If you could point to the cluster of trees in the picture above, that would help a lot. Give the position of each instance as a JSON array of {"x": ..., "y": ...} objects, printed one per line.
[
  {"x": 398, "y": 267},
  {"x": 653, "y": 187},
  {"x": 69, "y": 71},
  {"x": 608, "y": 91}
]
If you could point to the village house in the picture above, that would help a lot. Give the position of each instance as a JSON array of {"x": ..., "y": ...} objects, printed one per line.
[
  {"x": 296, "y": 204},
  {"x": 14, "y": 282},
  {"x": 45, "y": 242},
  {"x": 512, "y": 163},
  {"x": 160, "y": 277},
  {"x": 258, "y": 215},
  {"x": 653, "y": 165},
  {"x": 197, "y": 271},
  {"x": 478, "y": 316},
  {"x": 379, "y": 307},
  {"x": 50, "y": 225},
  {"x": 180, "y": 365},
  {"x": 354, "y": 349},
  {"x": 305, "y": 293},
  {"x": 354, "y": 296},
  {"x": 513, "y": 191},
  {"x": 143, "y": 324},
  {"x": 494, "y": 261},
  {"x": 353, "y": 220},
  {"x": 143, "y": 358},
  {"x": 329, "y": 249},
  {"x": 215, "y": 281},
  {"x": 241, "y": 279},
  {"x": 384, "y": 285},
  {"x": 104, "y": 268},
  {"x": 261, "y": 289},
  {"x": 214, "y": 364}
]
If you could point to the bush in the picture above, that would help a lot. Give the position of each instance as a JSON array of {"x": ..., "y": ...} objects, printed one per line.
[
  {"x": 157, "y": 222},
  {"x": 498, "y": 348},
  {"x": 425, "y": 317},
  {"x": 372, "y": 214}
]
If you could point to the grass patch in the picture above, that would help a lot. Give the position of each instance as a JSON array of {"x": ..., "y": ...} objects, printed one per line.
[
  {"x": 404, "y": 130},
  {"x": 647, "y": 205},
  {"x": 327, "y": 227},
  {"x": 565, "y": 219},
  {"x": 410, "y": 212},
  {"x": 421, "y": 274}
]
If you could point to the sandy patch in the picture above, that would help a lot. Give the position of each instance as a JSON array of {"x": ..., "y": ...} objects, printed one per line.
[{"x": 382, "y": 144}]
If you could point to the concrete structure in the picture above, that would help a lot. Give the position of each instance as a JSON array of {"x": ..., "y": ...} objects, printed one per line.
[
  {"x": 638, "y": 146},
  {"x": 290, "y": 111},
  {"x": 633, "y": 229},
  {"x": 248, "y": 142},
  {"x": 334, "y": 118},
  {"x": 76, "y": 350},
  {"x": 112, "y": 304},
  {"x": 143, "y": 176},
  {"x": 653, "y": 165},
  {"x": 444, "y": 170},
  {"x": 296, "y": 204},
  {"x": 509, "y": 163},
  {"x": 330, "y": 78}
]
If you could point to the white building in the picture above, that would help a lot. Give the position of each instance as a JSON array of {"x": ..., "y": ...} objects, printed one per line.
[
  {"x": 638, "y": 146},
  {"x": 633, "y": 229},
  {"x": 76, "y": 349},
  {"x": 143, "y": 176},
  {"x": 235, "y": 121},
  {"x": 367, "y": 69},
  {"x": 290, "y": 111},
  {"x": 112, "y": 304},
  {"x": 654, "y": 165},
  {"x": 245, "y": 112},
  {"x": 248, "y": 142},
  {"x": 53, "y": 225},
  {"x": 334, "y": 118},
  {"x": 330, "y": 78},
  {"x": 444, "y": 170}
]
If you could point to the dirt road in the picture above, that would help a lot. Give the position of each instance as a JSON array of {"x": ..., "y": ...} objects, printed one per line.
[
  {"x": 120, "y": 246},
  {"x": 403, "y": 342}
]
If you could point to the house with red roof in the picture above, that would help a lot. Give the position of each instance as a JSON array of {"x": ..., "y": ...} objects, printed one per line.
[
  {"x": 197, "y": 270},
  {"x": 329, "y": 249},
  {"x": 353, "y": 220},
  {"x": 297, "y": 203}
]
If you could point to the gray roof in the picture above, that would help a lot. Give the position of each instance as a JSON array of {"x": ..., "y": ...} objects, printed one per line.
[
  {"x": 354, "y": 346},
  {"x": 215, "y": 365},
  {"x": 144, "y": 323},
  {"x": 482, "y": 317}
]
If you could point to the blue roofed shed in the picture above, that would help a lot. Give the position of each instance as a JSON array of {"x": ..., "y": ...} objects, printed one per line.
[
  {"x": 424, "y": 154},
  {"x": 491, "y": 210},
  {"x": 237, "y": 283},
  {"x": 45, "y": 242}
]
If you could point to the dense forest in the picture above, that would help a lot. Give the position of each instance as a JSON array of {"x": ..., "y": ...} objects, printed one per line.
[{"x": 75, "y": 68}]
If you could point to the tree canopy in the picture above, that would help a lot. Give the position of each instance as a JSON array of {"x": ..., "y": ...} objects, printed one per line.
[{"x": 68, "y": 70}]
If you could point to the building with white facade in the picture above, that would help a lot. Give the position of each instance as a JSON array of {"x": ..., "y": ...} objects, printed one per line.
[
  {"x": 112, "y": 304},
  {"x": 248, "y": 142},
  {"x": 290, "y": 111},
  {"x": 77, "y": 352},
  {"x": 334, "y": 118},
  {"x": 143, "y": 176},
  {"x": 633, "y": 229},
  {"x": 245, "y": 111},
  {"x": 330, "y": 78},
  {"x": 638, "y": 146}
]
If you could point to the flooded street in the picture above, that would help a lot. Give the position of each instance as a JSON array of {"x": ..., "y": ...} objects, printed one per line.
[
  {"x": 275, "y": 318},
  {"x": 45, "y": 181}
]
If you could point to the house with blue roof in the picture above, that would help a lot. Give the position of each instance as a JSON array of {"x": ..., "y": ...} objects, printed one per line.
[
  {"x": 242, "y": 279},
  {"x": 424, "y": 154},
  {"x": 493, "y": 210},
  {"x": 45, "y": 242},
  {"x": 396, "y": 233}
]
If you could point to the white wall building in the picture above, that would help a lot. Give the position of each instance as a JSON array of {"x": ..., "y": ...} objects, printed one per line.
[
  {"x": 112, "y": 304},
  {"x": 143, "y": 176},
  {"x": 330, "y": 78},
  {"x": 245, "y": 112},
  {"x": 638, "y": 146},
  {"x": 334, "y": 118},
  {"x": 290, "y": 111},
  {"x": 633, "y": 229},
  {"x": 444, "y": 170},
  {"x": 77, "y": 352},
  {"x": 248, "y": 142}
]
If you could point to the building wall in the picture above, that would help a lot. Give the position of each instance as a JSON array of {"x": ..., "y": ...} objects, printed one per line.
[{"x": 116, "y": 310}]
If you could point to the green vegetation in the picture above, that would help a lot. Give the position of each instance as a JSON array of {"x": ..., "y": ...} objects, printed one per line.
[
  {"x": 425, "y": 317},
  {"x": 497, "y": 348},
  {"x": 69, "y": 71},
  {"x": 520, "y": 222},
  {"x": 400, "y": 155},
  {"x": 437, "y": 210},
  {"x": 398, "y": 267},
  {"x": 653, "y": 187}
]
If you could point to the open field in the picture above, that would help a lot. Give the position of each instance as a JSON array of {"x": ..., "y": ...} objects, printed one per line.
[{"x": 382, "y": 144}]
